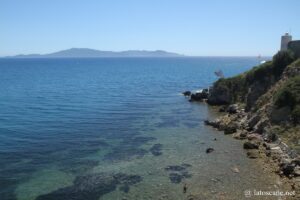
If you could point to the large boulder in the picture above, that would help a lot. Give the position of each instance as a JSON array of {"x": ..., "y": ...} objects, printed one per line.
[
  {"x": 287, "y": 168},
  {"x": 240, "y": 135},
  {"x": 251, "y": 145},
  {"x": 219, "y": 95},
  {"x": 253, "y": 121},
  {"x": 199, "y": 96},
  {"x": 233, "y": 108},
  {"x": 230, "y": 128}
]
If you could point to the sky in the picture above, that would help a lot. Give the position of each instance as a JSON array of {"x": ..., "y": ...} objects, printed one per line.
[{"x": 189, "y": 27}]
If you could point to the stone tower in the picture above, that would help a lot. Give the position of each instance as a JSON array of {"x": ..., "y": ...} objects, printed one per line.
[{"x": 285, "y": 39}]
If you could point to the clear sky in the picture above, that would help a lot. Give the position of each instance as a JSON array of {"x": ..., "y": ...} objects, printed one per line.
[{"x": 190, "y": 27}]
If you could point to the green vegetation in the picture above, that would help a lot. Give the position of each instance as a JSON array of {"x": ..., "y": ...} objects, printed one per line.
[
  {"x": 289, "y": 134},
  {"x": 289, "y": 95},
  {"x": 259, "y": 78},
  {"x": 235, "y": 87},
  {"x": 281, "y": 60}
]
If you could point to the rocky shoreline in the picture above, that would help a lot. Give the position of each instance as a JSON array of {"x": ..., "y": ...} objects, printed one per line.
[
  {"x": 277, "y": 155},
  {"x": 262, "y": 108}
]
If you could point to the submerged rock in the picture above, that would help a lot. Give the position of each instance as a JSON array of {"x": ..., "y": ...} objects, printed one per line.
[
  {"x": 179, "y": 172},
  {"x": 175, "y": 178},
  {"x": 156, "y": 149},
  {"x": 186, "y": 165},
  {"x": 124, "y": 188},
  {"x": 175, "y": 168},
  {"x": 209, "y": 150},
  {"x": 92, "y": 187}
]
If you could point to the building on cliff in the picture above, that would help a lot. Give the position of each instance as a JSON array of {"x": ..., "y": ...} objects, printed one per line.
[
  {"x": 288, "y": 44},
  {"x": 285, "y": 39}
]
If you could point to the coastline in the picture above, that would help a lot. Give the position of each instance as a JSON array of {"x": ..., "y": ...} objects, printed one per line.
[
  {"x": 261, "y": 107},
  {"x": 276, "y": 157}
]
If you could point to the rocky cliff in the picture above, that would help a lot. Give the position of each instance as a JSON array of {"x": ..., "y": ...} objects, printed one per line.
[
  {"x": 262, "y": 106},
  {"x": 271, "y": 92}
]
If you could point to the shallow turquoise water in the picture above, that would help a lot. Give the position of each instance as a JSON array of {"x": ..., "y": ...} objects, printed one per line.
[{"x": 110, "y": 128}]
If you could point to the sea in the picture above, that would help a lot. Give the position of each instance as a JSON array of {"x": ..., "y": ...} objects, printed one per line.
[{"x": 117, "y": 129}]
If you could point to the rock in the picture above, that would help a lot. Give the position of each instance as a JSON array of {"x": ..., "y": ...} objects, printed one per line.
[
  {"x": 199, "y": 96},
  {"x": 124, "y": 188},
  {"x": 175, "y": 178},
  {"x": 254, "y": 137},
  {"x": 191, "y": 197},
  {"x": 271, "y": 137},
  {"x": 261, "y": 126},
  {"x": 230, "y": 128},
  {"x": 178, "y": 172},
  {"x": 156, "y": 149},
  {"x": 268, "y": 153},
  {"x": 256, "y": 90},
  {"x": 287, "y": 168},
  {"x": 267, "y": 146},
  {"x": 297, "y": 171},
  {"x": 223, "y": 108},
  {"x": 175, "y": 168},
  {"x": 253, "y": 121},
  {"x": 219, "y": 95},
  {"x": 233, "y": 108},
  {"x": 251, "y": 145},
  {"x": 184, "y": 188},
  {"x": 215, "y": 123},
  {"x": 209, "y": 150},
  {"x": 277, "y": 148},
  {"x": 252, "y": 154},
  {"x": 92, "y": 186},
  {"x": 235, "y": 170},
  {"x": 186, "y": 165},
  {"x": 187, "y": 93},
  {"x": 240, "y": 135},
  {"x": 296, "y": 161}
]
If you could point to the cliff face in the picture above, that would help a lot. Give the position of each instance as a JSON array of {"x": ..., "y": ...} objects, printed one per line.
[
  {"x": 270, "y": 95},
  {"x": 248, "y": 87}
]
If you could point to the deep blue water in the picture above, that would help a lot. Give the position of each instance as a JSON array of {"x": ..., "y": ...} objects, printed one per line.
[{"x": 76, "y": 114}]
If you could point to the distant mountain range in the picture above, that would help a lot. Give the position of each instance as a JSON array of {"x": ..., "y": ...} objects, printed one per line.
[{"x": 92, "y": 53}]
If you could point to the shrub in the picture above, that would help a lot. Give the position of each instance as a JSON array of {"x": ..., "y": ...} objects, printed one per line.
[
  {"x": 281, "y": 60},
  {"x": 289, "y": 95}
]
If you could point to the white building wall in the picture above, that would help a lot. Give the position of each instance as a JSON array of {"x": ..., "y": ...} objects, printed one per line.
[{"x": 285, "y": 39}]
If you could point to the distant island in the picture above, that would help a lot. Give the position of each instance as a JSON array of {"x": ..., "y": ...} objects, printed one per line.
[{"x": 92, "y": 53}]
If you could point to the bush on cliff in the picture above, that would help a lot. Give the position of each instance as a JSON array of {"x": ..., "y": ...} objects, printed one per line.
[
  {"x": 281, "y": 60},
  {"x": 289, "y": 95},
  {"x": 226, "y": 91},
  {"x": 259, "y": 79}
]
